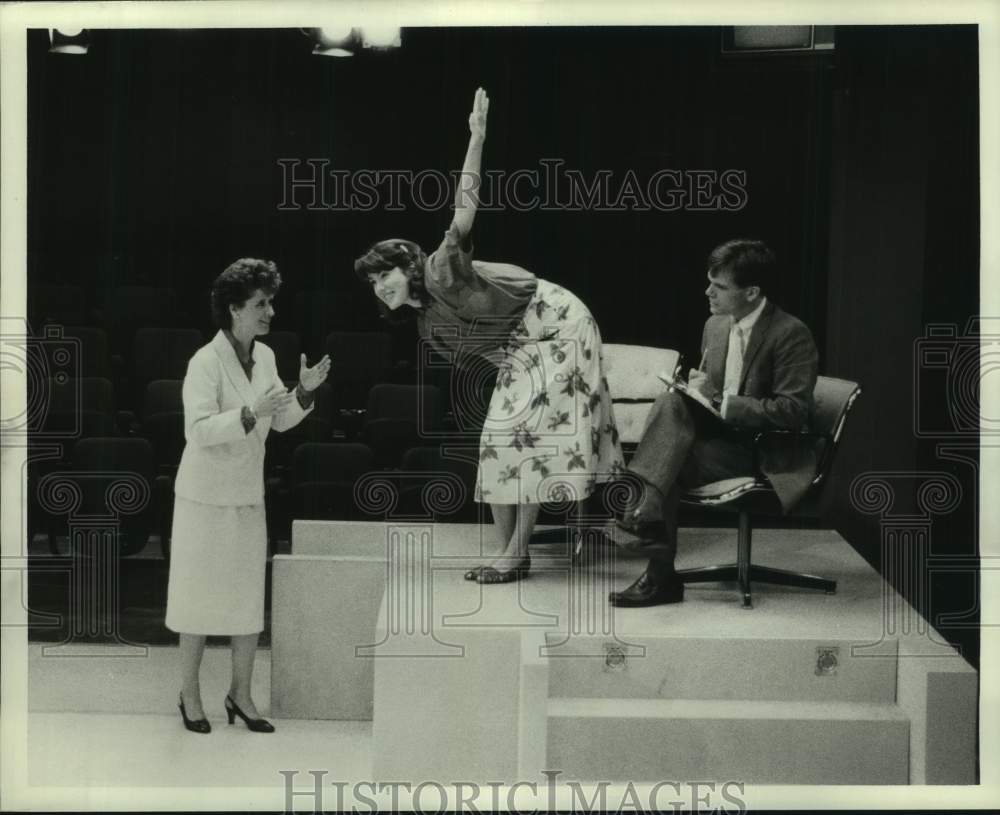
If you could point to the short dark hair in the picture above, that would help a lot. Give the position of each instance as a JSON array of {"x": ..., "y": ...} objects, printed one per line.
[
  {"x": 390, "y": 254},
  {"x": 748, "y": 262},
  {"x": 238, "y": 282}
]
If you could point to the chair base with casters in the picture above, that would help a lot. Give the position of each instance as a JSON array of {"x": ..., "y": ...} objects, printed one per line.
[{"x": 745, "y": 573}]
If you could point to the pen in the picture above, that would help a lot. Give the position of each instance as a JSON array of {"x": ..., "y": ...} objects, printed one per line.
[{"x": 701, "y": 365}]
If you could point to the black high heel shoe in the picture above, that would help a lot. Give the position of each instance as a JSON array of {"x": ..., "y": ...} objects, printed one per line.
[
  {"x": 194, "y": 725},
  {"x": 256, "y": 725}
]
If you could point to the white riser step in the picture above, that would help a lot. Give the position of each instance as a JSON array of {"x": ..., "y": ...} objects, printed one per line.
[
  {"x": 753, "y": 742},
  {"x": 704, "y": 668}
]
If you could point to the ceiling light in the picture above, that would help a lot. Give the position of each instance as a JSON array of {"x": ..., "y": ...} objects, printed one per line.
[
  {"x": 69, "y": 40},
  {"x": 381, "y": 36},
  {"x": 336, "y": 41}
]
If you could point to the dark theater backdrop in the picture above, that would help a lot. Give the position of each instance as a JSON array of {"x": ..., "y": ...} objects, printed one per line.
[{"x": 154, "y": 159}]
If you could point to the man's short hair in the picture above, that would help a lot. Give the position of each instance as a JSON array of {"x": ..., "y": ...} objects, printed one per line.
[{"x": 748, "y": 262}]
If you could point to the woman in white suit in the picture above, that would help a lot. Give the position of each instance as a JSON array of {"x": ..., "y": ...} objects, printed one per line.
[{"x": 232, "y": 398}]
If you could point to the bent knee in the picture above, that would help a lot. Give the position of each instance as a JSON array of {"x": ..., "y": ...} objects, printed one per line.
[
  {"x": 670, "y": 412},
  {"x": 672, "y": 402}
]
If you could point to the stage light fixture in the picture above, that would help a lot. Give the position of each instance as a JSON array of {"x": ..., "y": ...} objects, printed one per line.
[
  {"x": 336, "y": 41},
  {"x": 381, "y": 37},
  {"x": 69, "y": 40}
]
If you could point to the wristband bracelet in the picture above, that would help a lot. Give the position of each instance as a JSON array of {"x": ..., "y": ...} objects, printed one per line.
[{"x": 248, "y": 417}]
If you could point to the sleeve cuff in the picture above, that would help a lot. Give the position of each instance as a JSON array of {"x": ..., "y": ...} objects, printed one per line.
[
  {"x": 304, "y": 397},
  {"x": 248, "y": 419}
]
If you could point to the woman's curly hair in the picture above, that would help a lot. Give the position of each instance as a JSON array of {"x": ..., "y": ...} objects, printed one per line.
[
  {"x": 238, "y": 282},
  {"x": 387, "y": 255}
]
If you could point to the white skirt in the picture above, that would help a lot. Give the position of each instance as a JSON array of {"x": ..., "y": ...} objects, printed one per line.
[{"x": 218, "y": 561}]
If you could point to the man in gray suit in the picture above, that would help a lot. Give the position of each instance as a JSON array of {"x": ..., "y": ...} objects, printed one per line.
[{"x": 758, "y": 368}]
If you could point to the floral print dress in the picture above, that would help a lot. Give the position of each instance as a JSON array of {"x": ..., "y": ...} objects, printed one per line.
[{"x": 549, "y": 433}]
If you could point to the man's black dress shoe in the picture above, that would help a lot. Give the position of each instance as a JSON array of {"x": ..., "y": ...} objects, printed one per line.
[{"x": 647, "y": 591}]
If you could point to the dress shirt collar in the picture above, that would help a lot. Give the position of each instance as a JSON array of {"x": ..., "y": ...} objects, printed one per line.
[{"x": 747, "y": 323}]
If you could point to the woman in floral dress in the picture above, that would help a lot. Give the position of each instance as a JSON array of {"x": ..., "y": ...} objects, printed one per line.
[{"x": 549, "y": 433}]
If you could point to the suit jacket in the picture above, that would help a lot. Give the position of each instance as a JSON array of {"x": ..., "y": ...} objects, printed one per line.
[
  {"x": 780, "y": 366},
  {"x": 222, "y": 464}
]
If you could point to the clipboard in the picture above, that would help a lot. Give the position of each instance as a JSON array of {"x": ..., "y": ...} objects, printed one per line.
[{"x": 695, "y": 396}]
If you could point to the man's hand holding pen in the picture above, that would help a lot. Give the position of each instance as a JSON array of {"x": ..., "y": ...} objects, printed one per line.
[
  {"x": 698, "y": 381},
  {"x": 697, "y": 386}
]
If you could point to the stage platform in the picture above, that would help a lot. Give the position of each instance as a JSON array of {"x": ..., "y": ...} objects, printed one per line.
[
  {"x": 501, "y": 682},
  {"x": 101, "y": 721},
  {"x": 385, "y": 664}
]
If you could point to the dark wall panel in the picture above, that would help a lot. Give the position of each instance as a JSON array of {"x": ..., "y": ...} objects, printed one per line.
[
  {"x": 157, "y": 157},
  {"x": 904, "y": 250}
]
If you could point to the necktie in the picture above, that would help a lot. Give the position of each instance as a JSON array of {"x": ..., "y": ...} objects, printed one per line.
[{"x": 734, "y": 360}]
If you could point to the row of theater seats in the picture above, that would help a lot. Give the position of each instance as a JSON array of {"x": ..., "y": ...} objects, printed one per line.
[
  {"x": 362, "y": 359},
  {"x": 312, "y": 314},
  {"x": 394, "y": 419},
  {"x": 117, "y": 479}
]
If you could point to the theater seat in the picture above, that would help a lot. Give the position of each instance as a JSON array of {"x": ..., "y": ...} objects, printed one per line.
[
  {"x": 361, "y": 359},
  {"x": 162, "y": 422},
  {"x": 162, "y": 353},
  {"x": 439, "y": 484},
  {"x": 316, "y": 427},
  {"x": 94, "y": 358},
  {"x": 77, "y": 408},
  {"x": 112, "y": 478},
  {"x": 322, "y": 479},
  {"x": 400, "y": 417}
]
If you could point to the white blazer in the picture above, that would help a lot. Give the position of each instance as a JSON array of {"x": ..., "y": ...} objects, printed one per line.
[{"x": 222, "y": 464}]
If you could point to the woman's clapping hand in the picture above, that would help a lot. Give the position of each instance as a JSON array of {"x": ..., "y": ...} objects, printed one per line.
[
  {"x": 272, "y": 402},
  {"x": 312, "y": 378}
]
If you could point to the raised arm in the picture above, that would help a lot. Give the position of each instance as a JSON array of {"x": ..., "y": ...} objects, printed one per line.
[{"x": 467, "y": 189}]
